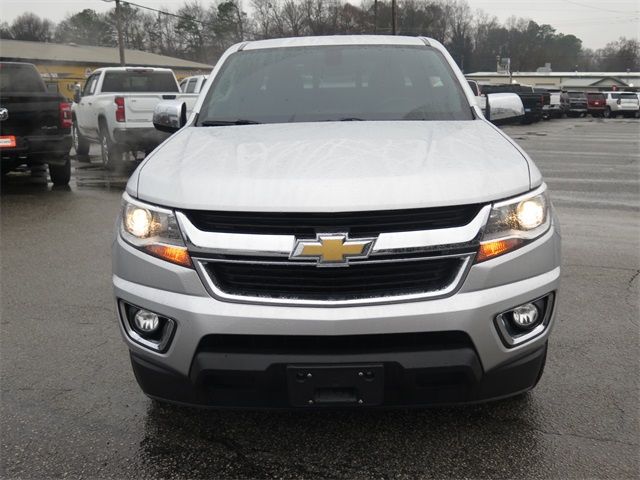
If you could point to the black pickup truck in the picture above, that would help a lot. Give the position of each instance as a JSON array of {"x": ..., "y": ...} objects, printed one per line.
[
  {"x": 532, "y": 101},
  {"x": 35, "y": 125}
]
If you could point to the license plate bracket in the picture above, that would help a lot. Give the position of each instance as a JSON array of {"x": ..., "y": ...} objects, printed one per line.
[{"x": 335, "y": 385}]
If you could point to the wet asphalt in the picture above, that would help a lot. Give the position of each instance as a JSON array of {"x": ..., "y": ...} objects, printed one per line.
[{"x": 70, "y": 406}]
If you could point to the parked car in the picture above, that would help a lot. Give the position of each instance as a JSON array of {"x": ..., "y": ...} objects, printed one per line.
[
  {"x": 621, "y": 103},
  {"x": 574, "y": 104},
  {"x": 532, "y": 102},
  {"x": 596, "y": 104},
  {"x": 546, "y": 99},
  {"x": 193, "y": 84},
  {"x": 554, "y": 108},
  {"x": 337, "y": 224},
  {"x": 35, "y": 125},
  {"x": 115, "y": 110}
]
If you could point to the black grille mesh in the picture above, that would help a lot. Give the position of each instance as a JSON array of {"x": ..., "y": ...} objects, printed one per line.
[
  {"x": 309, "y": 282},
  {"x": 355, "y": 223}
]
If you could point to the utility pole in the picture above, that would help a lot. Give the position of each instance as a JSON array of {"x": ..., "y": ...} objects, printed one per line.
[
  {"x": 375, "y": 16},
  {"x": 119, "y": 28},
  {"x": 393, "y": 17}
]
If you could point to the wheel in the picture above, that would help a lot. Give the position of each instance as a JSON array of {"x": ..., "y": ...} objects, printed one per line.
[
  {"x": 109, "y": 152},
  {"x": 80, "y": 144},
  {"x": 61, "y": 174},
  {"x": 607, "y": 113}
]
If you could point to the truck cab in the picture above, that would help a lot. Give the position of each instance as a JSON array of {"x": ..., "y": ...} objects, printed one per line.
[{"x": 115, "y": 110}]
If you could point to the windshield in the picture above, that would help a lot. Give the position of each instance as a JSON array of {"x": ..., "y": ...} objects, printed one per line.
[
  {"x": 576, "y": 94},
  {"x": 306, "y": 84},
  {"x": 20, "y": 78},
  {"x": 625, "y": 96},
  {"x": 139, "y": 81}
]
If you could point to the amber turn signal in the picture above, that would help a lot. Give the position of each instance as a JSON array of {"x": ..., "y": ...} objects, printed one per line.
[
  {"x": 170, "y": 253},
  {"x": 494, "y": 248}
]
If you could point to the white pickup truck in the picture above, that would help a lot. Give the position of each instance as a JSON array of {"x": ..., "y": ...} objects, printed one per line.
[{"x": 115, "y": 109}]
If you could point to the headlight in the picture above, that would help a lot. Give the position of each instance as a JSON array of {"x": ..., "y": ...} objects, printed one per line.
[
  {"x": 515, "y": 222},
  {"x": 153, "y": 230}
]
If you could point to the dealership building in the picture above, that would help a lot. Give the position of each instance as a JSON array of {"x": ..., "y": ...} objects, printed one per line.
[
  {"x": 584, "y": 81},
  {"x": 64, "y": 65}
]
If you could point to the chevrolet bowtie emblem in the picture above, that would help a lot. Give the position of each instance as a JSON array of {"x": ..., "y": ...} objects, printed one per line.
[{"x": 332, "y": 249}]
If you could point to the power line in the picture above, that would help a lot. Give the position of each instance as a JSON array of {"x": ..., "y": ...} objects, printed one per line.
[
  {"x": 164, "y": 12},
  {"x": 612, "y": 21},
  {"x": 591, "y": 6}
]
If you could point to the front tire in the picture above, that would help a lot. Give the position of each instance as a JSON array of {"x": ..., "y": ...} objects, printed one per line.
[
  {"x": 607, "y": 113},
  {"x": 109, "y": 152},
  {"x": 61, "y": 174}
]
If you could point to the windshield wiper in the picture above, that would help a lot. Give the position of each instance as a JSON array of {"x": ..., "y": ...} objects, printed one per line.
[
  {"x": 221, "y": 123},
  {"x": 344, "y": 119}
]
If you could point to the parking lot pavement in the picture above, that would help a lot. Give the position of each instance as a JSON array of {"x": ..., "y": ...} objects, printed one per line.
[{"x": 70, "y": 405}]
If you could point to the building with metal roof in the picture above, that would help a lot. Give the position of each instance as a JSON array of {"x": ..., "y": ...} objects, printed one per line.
[
  {"x": 65, "y": 65},
  {"x": 586, "y": 81}
]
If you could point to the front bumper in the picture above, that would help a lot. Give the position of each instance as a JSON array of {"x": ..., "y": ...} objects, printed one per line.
[
  {"x": 489, "y": 289},
  {"x": 434, "y": 376}
]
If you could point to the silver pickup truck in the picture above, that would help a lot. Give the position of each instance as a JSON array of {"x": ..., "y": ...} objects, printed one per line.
[
  {"x": 336, "y": 224},
  {"x": 115, "y": 109}
]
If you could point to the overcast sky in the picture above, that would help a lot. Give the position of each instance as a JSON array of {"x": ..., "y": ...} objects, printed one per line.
[{"x": 596, "y": 22}]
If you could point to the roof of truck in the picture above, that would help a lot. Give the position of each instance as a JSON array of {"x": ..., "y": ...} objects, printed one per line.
[
  {"x": 336, "y": 40},
  {"x": 129, "y": 68}
]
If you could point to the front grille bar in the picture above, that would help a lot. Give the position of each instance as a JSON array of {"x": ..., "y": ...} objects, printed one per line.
[{"x": 202, "y": 243}]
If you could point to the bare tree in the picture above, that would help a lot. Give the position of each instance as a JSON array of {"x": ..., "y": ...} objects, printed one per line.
[
  {"x": 460, "y": 22},
  {"x": 30, "y": 26},
  {"x": 263, "y": 18}
]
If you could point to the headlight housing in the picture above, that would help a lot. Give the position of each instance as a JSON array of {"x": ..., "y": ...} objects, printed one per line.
[
  {"x": 153, "y": 230},
  {"x": 515, "y": 222}
]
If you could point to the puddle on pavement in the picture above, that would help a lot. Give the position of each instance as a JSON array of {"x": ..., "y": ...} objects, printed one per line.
[
  {"x": 84, "y": 175},
  {"x": 94, "y": 175}
]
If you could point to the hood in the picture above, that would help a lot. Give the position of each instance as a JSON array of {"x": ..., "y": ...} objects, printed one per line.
[{"x": 332, "y": 166}]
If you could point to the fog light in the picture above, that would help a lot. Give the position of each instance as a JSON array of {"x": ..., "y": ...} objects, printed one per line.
[
  {"x": 525, "y": 322},
  {"x": 149, "y": 329},
  {"x": 525, "y": 316},
  {"x": 146, "y": 321}
]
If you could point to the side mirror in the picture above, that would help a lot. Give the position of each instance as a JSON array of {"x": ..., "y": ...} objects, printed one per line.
[
  {"x": 504, "y": 108},
  {"x": 170, "y": 116},
  {"x": 474, "y": 87},
  {"x": 76, "y": 94}
]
